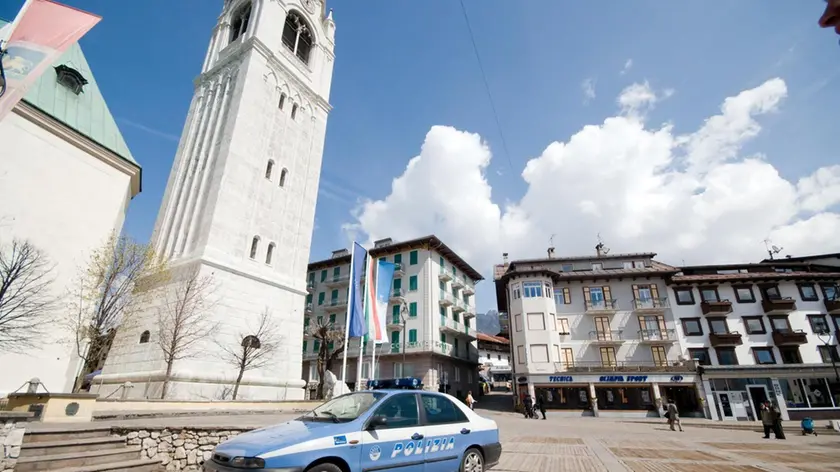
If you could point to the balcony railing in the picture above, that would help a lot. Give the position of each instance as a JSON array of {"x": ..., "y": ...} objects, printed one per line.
[
  {"x": 651, "y": 305},
  {"x": 658, "y": 336},
  {"x": 457, "y": 282},
  {"x": 308, "y": 309},
  {"x": 337, "y": 281},
  {"x": 458, "y": 306},
  {"x": 789, "y": 337},
  {"x": 444, "y": 275},
  {"x": 468, "y": 290},
  {"x": 832, "y": 305},
  {"x": 310, "y": 286},
  {"x": 469, "y": 312},
  {"x": 670, "y": 365},
  {"x": 446, "y": 299},
  {"x": 335, "y": 305},
  {"x": 778, "y": 306},
  {"x": 716, "y": 307},
  {"x": 399, "y": 269},
  {"x": 606, "y": 337},
  {"x": 725, "y": 339},
  {"x": 601, "y": 307},
  {"x": 397, "y": 295}
]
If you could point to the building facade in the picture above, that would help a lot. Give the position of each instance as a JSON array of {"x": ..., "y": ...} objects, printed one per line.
[
  {"x": 765, "y": 331},
  {"x": 66, "y": 180},
  {"x": 240, "y": 201},
  {"x": 430, "y": 318},
  {"x": 494, "y": 359},
  {"x": 596, "y": 335}
]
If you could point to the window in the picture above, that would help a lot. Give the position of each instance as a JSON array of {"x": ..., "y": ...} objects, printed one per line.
[
  {"x": 826, "y": 353},
  {"x": 282, "y": 101},
  {"x": 563, "y": 326},
  {"x": 515, "y": 291},
  {"x": 304, "y": 345},
  {"x": 316, "y": 346},
  {"x": 395, "y": 312},
  {"x": 70, "y": 78},
  {"x": 321, "y": 296},
  {"x": 598, "y": 298},
  {"x": 323, "y": 275},
  {"x": 692, "y": 327},
  {"x": 269, "y": 253},
  {"x": 608, "y": 357},
  {"x": 659, "y": 357},
  {"x": 684, "y": 295},
  {"x": 412, "y": 283},
  {"x": 548, "y": 290},
  {"x": 412, "y": 336},
  {"x": 395, "y": 338},
  {"x": 830, "y": 292},
  {"x": 764, "y": 355},
  {"x": 709, "y": 294},
  {"x": 268, "y": 168},
  {"x": 726, "y": 356},
  {"x": 520, "y": 354},
  {"x": 255, "y": 244},
  {"x": 441, "y": 410},
  {"x": 332, "y": 319},
  {"x": 294, "y": 110},
  {"x": 808, "y": 292},
  {"x": 597, "y": 266},
  {"x": 780, "y": 324},
  {"x": 532, "y": 289},
  {"x": 718, "y": 326},
  {"x": 336, "y": 273},
  {"x": 334, "y": 297},
  {"x": 539, "y": 353},
  {"x": 517, "y": 321},
  {"x": 239, "y": 22},
  {"x": 754, "y": 325},
  {"x": 412, "y": 258},
  {"x": 536, "y": 322},
  {"x": 700, "y": 355},
  {"x": 397, "y": 258},
  {"x": 744, "y": 293},
  {"x": 771, "y": 292},
  {"x": 283, "y": 174},
  {"x": 790, "y": 354},
  {"x": 400, "y": 411},
  {"x": 819, "y": 325},
  {"x": 567, "y": 357},
  {"x": 562, "y": 296},
  {"x": 144, "y": 337},
  {"x": 297, "y": 37},
  {"x": 412, "y": 310}
]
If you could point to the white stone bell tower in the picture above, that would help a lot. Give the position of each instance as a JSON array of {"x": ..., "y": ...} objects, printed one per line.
[{"x": 240, "y": 200}]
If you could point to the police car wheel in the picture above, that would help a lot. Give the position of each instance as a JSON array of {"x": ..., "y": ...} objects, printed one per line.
[
  {"x": 326, "y": 467},
  {"x": 473, "y": 461}
]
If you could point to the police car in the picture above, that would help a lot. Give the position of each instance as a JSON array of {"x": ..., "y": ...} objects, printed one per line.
[{"x": 404, "y": 429}]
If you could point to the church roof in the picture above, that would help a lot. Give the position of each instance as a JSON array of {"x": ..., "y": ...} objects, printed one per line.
[{"x": 86, "y": 113}]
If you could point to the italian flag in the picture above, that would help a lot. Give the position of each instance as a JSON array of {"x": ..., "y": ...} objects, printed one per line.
[{"x": 373, "y": 315}]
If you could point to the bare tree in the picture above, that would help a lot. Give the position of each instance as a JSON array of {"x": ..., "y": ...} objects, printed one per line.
[
  {"x": 183, "y": 320},
  {"x": 105, "y": 294},
  {"x": 25, "y": 297},
  {"x": 331, "y": 340},
  {"x": 256, "y": 349}
]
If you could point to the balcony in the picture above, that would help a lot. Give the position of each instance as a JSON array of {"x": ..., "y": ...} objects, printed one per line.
[
  {"x": 335, "y": 282},
  {"x": 397, "y": 295},
  {"x": 606, "y": 337},
  {"x": 832, "y": 306},
  {"x": 658, "y": 336},
  {"x": 446, "y": 299},
  {"x": 307, "y": 310},
  {"x": 457, "y": 282},
  {"x": 778, "y": 306},
  {"x": 716, "y": 307},
  {"x": 602, "y": 307},
  {"x": 630, "y": 367},
  {"x": 335, "y": 305},
  {"x": 789, "y": 337},
  {"x": 394, "y": 322},
  {"x": 725, "y": 339},
  {"x": 444, "y": 275},
  {"x": 463, "y": 351},
  {"x": 651, "y": 305},
  {"x": 399, "y": 269},
  {"x": 468, "y": 290},
  {"x": 310, "y": 287},
  {"x": 469, "y": 313},
  {"x": 458, "y": 306},
  {"x": 450, "y": 326}
]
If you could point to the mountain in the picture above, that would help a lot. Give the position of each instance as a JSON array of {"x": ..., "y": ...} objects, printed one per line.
[{"x": 488, "y": 323}]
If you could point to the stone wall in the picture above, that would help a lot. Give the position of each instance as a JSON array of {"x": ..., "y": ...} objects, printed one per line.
[
  {"x": 12, "y": 427},
  {"x": 179, "y": 449}
]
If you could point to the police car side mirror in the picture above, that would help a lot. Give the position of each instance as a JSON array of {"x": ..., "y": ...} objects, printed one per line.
[{"x": 376, "y": 422}]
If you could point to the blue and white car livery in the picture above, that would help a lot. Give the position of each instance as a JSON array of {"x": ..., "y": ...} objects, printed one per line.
[{"x": 379, "y": 430}]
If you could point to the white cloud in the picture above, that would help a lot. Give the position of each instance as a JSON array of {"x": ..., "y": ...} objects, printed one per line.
[
  {"x": 689, "y": 197},
  {"x": 588, "y": 87},
  {"x": 627, "y": 66},
  {"x": 636, "y": 99}
]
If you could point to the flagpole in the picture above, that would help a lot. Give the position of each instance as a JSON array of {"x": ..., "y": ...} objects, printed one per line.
[
  {"x": 347, "y": 315},
  {"x": 360, "y": 364},
  {"x": 370, "y": 279}
]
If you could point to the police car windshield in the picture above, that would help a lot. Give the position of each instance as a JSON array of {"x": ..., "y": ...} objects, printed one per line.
[{"x": 344, "y": 408}]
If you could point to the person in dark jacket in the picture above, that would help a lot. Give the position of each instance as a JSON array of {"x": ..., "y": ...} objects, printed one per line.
[
  {"x": 541, "y": 405},
  {"x": 777, "y": 421},
  {"x": 529, "y": 406},
  {"x": 767, "y": 419}
]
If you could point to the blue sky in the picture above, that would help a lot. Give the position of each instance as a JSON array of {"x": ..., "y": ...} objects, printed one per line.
[{"x": 403, "y": 67}]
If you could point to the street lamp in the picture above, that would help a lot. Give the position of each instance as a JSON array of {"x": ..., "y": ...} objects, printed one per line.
[
  {"x": 832, "y": 352},
  {"x": 403, "y": 321}
]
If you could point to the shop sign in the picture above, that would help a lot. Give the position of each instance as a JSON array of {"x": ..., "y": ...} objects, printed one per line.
[
  {"x": 560, "y": 378},
  {"x": 677, "y": 378},
  {"x": 621, "y": 378}
]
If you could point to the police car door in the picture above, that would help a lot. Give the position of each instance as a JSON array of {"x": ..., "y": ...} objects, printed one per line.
[
  {"x": 398, "y": 444},
  {"x": 447, "y": 432}
]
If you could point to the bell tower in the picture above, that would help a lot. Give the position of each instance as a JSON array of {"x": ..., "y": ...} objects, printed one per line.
[{"x": 240, "y": 199}]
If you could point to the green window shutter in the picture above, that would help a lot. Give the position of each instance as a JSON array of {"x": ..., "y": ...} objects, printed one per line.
[
  {"x": 442, "y": 284},
  {"x": 330, "y": 345},
  {"x": 316, "y": 345},
  {"x": 412, "y": 257},
  {"x": 336, "y": 273},
  {"x": 442, "y": 264},
  {"x": 334, "y": 295},
  {"x": 304, "y": 346},
  {"x": 323, "y": 275},
  {"x": 395, "y": 337},
  {"x": 397, "y": 284},
  {"x": 332, "y": 318},
  {"x": 454, "y": 271},
  {"x": 443, "y": 311},
  {"x": 397, "y": 258},
  {"x": 412, "y": 309},
  {"x": 412, "y": 282},
  {"x": 456, "y": 317},
  {"x": 309, "y": 298},
  {"x": 412, "y": 335},
  {"x": 321, "y": 297},
  {"x": 312, "y": 277},
  {"x": 467, "y": 322},
  {"x": 395, "y": 311},
  {"x": 442, "y": 338}
]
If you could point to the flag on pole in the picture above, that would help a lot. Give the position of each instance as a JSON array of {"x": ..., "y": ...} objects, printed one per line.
[
  {"x": 377, "y": 294},
  {"x": 354, "y": 321},
  {"x": 41, "y": 32}
]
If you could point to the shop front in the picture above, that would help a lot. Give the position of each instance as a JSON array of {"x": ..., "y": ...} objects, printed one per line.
[
  {"x": 800, "y": 390},
  {"x": 620, "y": 395}
]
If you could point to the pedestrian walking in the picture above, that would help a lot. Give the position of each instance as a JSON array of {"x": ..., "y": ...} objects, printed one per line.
[
  {"x": 470, "y": 400},
  {"x": 528, "y": 403},
  {"x": 767, "y": 419},
  {"x": 673, "y": 414},
  {"x": 777, "y": 421},
  {"x": 541, "y": 405}
]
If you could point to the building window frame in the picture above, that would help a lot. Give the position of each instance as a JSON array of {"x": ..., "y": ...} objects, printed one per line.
[
  {"x": 678, "y": 291},
  {"x": 712, "y": 319},
  {"x": 727, "y": 349},
  {"x": 707, "y": 358},
  {"x": 813, "y": 296},
  {"x": 747, "y": 328},
  {"x": 687, "y": 332},
  {"x": 757, "y": 351},
  {"x": 821, "y": 318},
  {"x": 563, "y": 326},
  {"x": 712, "y": 288}
]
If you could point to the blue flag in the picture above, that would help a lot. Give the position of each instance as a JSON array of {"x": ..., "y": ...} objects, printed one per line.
[{"x": 356, "y": 326}]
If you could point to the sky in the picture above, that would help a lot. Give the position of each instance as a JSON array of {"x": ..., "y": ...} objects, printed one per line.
[{"x": 696, "y": 130}]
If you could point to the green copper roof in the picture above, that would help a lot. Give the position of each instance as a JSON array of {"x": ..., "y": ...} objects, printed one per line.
[{"x": 87, "y": 113}]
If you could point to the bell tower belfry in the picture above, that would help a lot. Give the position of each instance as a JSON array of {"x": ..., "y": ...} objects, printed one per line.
[{"x": 240, "y": 199}]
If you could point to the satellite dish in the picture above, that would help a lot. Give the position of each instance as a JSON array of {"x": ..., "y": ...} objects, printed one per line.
[
  {"x": 606, "y": 250},
  {"x": 777, "y": 249}
]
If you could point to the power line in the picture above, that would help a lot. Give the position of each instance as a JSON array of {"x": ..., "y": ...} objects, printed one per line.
[{"x": 486, "y": 84}]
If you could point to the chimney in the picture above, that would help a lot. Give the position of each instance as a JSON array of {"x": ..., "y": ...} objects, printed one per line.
[
  {"x": 551, "y": 253},
  {"x": 505, "y": 258},
  {"x": 599, "y": 249}
]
